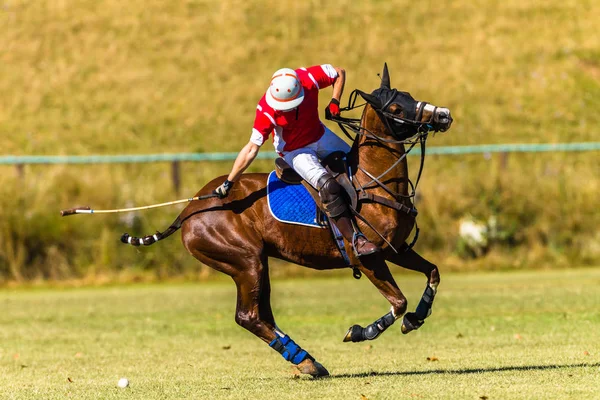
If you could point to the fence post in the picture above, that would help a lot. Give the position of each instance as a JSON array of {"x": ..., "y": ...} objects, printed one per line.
[
  {"x": 20, "y": 171},
  {"x": 504, "y": 159},
  {"x": 176, "y": 176}
]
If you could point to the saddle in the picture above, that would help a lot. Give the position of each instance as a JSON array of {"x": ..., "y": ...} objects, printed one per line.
[{"x": 335, "y": 163}]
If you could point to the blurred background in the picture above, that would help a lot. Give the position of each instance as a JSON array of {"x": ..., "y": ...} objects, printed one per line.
[{"x": 82, "y": 77}]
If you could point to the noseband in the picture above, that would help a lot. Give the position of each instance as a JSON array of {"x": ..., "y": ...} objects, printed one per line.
[{"x": 417, "y": 122}]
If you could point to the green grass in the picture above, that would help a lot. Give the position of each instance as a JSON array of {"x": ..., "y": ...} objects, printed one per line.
[{"x": 517, "y": 335}]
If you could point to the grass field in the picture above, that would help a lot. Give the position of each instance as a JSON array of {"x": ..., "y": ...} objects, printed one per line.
[{"x": 513, "y": 335}]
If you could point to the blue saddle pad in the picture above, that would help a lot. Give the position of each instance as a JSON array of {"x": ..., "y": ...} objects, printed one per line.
[{"x": 291, "y": 203}]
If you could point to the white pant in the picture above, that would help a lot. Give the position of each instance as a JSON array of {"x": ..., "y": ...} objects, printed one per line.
[{"x": 305, "y": 160}]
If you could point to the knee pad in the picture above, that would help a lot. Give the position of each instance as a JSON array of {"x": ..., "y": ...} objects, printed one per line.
[
  {"x": 331, "y": 194},
  {"x": 330, "y": 189}
]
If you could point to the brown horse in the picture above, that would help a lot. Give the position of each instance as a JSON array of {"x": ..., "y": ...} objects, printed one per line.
[{"x": 237, "y": 235}]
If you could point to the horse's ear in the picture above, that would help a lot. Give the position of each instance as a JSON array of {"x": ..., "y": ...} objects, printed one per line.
[
  {"x": 373, "y": 100},
  {"x": 385, "y": 78}
]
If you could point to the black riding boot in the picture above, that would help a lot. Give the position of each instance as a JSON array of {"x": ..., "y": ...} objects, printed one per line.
[{"x": 362, "y": 246}]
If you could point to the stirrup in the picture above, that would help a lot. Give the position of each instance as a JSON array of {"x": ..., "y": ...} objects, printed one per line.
[{"x": 355, "y": 237}]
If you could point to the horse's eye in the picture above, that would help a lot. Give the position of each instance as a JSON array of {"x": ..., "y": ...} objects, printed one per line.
[{"x": 395, "y": 109}]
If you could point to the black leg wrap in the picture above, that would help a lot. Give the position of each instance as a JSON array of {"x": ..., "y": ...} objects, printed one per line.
[
  {"x": 424, "y": 308},
  {"x": 359, "y": 334},
  {"x": 414, "y": 320},
  {"x": 378, "y": 327}
]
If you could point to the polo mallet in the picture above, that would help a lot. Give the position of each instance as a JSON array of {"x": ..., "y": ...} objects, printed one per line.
[{"x": 88, "y": 210}]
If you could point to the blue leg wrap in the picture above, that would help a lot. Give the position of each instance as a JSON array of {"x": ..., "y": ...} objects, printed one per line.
[{"x": 289, "y": 349}]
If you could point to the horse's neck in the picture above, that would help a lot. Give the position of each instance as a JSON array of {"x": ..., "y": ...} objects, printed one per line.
[{"x": 376, "y": 157}]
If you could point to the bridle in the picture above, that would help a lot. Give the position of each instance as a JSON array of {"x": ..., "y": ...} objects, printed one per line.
[
  {"x": 386, "y": 116},
  {"x": 420, "y": 137}
]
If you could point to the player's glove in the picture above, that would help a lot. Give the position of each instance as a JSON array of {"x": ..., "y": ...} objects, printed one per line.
[
  {"x": 223, "y": 190},
  {"x": 333, "y": 109}
]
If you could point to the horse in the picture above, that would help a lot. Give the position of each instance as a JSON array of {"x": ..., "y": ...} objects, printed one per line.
[{"x": 238, "y": 234}]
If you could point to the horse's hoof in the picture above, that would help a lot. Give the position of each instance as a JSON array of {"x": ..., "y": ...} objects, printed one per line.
[
  {"x": 348, "y": 337},
  {"x": 410, "y": 323},
  {"x": 354, "y": 334},
  {"x": 313, "y": 368}
]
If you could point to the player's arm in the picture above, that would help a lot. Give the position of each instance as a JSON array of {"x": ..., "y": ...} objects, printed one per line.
[
  {"x": 333, "y": 108},
  {"x": 260, "y": 133},
  {"x": 243, "y": 161},
  {"x": 338, "y": 85}
]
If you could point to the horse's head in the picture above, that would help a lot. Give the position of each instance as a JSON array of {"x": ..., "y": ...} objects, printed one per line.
[{"x": 403, "y": 115}]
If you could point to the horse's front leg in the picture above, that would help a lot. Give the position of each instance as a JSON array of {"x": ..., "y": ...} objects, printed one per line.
[
  {"x": 375, "y": 268},
  {"x": 411, "y": 260}
]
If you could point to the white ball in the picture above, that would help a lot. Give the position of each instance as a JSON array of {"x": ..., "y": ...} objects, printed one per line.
[{"x": 123, "y": 383}]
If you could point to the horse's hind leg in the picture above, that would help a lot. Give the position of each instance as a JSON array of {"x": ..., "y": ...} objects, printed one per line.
[
  {"x": 264, "y": 306},
  {"x": 410, "y": 259},
  {"x": 375, "y": 268},
  {"x": 253, "y": 300}
]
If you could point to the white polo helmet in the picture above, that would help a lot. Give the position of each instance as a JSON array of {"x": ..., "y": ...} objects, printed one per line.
[{"x": 286, "y": 91}]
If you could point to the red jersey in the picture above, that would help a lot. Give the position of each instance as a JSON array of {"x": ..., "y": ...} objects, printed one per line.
[{"x": 299, "y": 127}]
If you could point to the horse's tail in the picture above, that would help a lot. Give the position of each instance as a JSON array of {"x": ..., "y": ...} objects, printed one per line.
[{"x": 149, "y": 239}]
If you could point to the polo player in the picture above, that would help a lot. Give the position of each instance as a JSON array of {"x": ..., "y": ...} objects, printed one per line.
[{"x": 289, "y": 111}]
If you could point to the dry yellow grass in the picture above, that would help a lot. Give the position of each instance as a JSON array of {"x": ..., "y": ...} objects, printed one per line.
[
  {"x": 83, "y": 77},
  {"x": 113, "y": 77}
]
